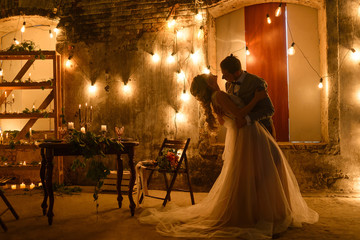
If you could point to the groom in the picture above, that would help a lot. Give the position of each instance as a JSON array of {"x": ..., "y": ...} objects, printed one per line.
[{"x": 244, "y": 85}]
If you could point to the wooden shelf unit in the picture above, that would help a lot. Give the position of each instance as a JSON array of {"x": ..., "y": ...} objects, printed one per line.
[{"x": 16, "y": 84}]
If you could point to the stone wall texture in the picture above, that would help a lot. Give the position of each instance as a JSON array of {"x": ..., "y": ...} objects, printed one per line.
[{"x": 111, "y": 43}]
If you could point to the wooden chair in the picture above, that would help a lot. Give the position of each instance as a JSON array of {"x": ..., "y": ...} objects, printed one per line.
[
  {"x": 179, "y": 147},
  {"x": 3, "y": 181}
]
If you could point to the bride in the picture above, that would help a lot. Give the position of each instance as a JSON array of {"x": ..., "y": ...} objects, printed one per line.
[{"x": 256, "y": 194}]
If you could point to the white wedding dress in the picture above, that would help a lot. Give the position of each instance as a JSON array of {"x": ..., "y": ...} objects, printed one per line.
[{"x": 255, "y": 196}]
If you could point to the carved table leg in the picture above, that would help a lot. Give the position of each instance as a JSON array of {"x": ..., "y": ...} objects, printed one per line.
[
  {"x": 49, "y": 172},
  {"x": 42, "y": 177},
  {"x": 119, "y": 178},
  {"x": 132, "y": 180}
]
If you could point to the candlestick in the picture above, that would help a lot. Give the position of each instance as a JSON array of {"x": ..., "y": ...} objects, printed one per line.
[
  {"x": 82, "y": 129},
  {"x": 103, "y": 128}
]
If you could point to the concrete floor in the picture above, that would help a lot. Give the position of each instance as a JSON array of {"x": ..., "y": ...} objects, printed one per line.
[{"x": 76, "y": 218}]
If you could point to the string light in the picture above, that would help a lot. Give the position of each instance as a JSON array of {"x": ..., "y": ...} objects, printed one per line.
[
  {"x": 56, "y": 31},
  {"x": 180, "y": 117},
  {"x": 181, "y": 76},
  {"x": 291, "y": 50},
  {"x": 247, "y": 51},
  {"x": 1, "y": 72},
  {"x": 51, "y": 34},
  {"x": 355, "y": 54},
  {"x": 170, "y": 58},
  {"x": 171, "y": 23},
  {"x": 268, "y": 18},
  {"x": 126, "y": 89},
  {"x": 185, "y": 96},
  {"x": 155, "y": 57},
  {"x": 92, "y": 88},
  {"x": 206, "y": 70},
  {"x": 16, "y": 41},
  {"x": 278, "y": 11},
  {"x": 195, "y": 56},
  {"x": 23, "y": 27},
  {"x": 68, "y": 62},
  {"x": 180, "y": 33},
  {"x": 200, "y": 34},
  {"x": 198, "y": 16},
  {"x": 320, "y": 83}
]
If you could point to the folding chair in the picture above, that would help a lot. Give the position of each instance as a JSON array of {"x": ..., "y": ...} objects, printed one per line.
[
  {"x": 179, "y": 147},
  {"x": 3, "y": 181}
]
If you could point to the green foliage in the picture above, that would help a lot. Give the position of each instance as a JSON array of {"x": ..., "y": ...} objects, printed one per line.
[{"x": 26, "y": 46}]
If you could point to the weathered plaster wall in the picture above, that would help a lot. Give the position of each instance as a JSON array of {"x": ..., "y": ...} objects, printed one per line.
[{"x": 110, "y": 42}]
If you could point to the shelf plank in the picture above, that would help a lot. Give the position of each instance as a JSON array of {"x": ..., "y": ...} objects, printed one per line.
[
  {"x": 30, "y": 85},
  {"x": 25, "y": 115},
  {"x": 27, "y": 55}
]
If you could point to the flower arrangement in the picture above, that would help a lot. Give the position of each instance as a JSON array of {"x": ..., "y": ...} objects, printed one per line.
[{"x": 168, "y": 159}]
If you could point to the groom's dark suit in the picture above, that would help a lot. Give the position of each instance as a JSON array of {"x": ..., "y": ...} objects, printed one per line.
[{"x": 264, "y": 109}]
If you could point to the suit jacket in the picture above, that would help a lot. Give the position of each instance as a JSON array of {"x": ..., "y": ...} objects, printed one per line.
[{"x": 264, "y": 109}]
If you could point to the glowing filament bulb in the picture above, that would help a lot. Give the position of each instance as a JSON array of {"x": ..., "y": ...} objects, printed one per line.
[
  {"x": 181, "y": 76},
  {"x": 171, "y": 23},
  {"x": 320, "y": 83},
  {"x": 247, "y": 51},
  {"x": 200, "y": 34},
  {"x": 198, "y": 16},
  {"x": 180, "y": 117},
  {"x": 180, "y": 33},
  {"x": 126, "y": 89},
  {"x": 155, "y": 57},
  {"x": 170, "y": 58},
  {"x": 195, "y": 56},
  {"x": 278, "y": 11},
  {"x": 68, "y": 62},
  {"x": 23, "y": 27},
  {"x": 185, "y": 96},
  {"x": 355, "y": 54},
  {"x": 206, "y": 70},
  {"x": 56, "y": 30},
  {"x": 51, "y": 34},
  {"x": 16, "y": 41},
  {"x": 1, "y": 72},
  {"x": 92, "y": 88},
  {"x": 291, "y": 50},
  {"x": 268, "y": 18}
]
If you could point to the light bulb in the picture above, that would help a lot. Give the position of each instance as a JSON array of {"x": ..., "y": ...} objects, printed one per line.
[
  {"x": 278, "y": 11},
  {"x": 1, "y": 72},
  {"x": 198, "y": 16},
  {"x": 170, "y": 58},
  {"x": 355, "y": 54},
  {"x": 68, "y": 62},
  {"x": 16, "y": 41},
  {"x": 181, "y": 76},
  {"x": 51, "y": 34},
  {"x": 180, "y": 33},
  {"x": 200, "y": 34},
  {"x": 206, "y": 70},
  {"x": 195, "y": 56},
  {"x": 56, "y": 30},
  {"x": 268, "y": 18},
  {"x": 92, "y": 88},
  {"x": 23, "y": 27},
  {"x": 155, "y": 57},
  {"x": 126, "y": 89},
  {"x": 185, "y": 96},
  {"x": 171, "y": 23},
  {"x": 180, "y": 117},
  {"x": 247, "y": 51},
  {"x": 291, "y": 50},
  {"x": 320, "y": 83}
]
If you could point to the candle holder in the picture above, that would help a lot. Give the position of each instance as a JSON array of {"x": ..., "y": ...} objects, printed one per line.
[
  {"x": 86, "y": 118},
  {"x": 10, "y": 102}
]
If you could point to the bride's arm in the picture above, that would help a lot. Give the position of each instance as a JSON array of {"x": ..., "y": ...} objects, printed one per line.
[{"x": 229, "y": 106}]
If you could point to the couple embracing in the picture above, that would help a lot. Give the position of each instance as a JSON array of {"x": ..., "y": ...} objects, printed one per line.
[{"x": 256, "y": 194}]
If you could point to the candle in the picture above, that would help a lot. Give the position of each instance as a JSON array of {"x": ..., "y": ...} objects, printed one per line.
[
  {"x": 103, "y": 128},
  {"x": 86, "y": 112},
  {"x": 33, "y": 106},
  {"x": 32, "y": 186},
  {"x": 13, "y": 186},
  {"x": 7, "y": 135},
  {"x": 80, "y": 113},
  {"x": 13, "y": 97},
  {"x": 30, "y": 132},
  {"x": 22, "y": 185},
  {"x": 24, "y": 163},
  {"x": 70, "y": 125},
  {"x": 40, "y": 184},
  {"x": 82, "y": 129},
  {"x": 45, "y": 136},
  {"x": 5, "y": 94}
]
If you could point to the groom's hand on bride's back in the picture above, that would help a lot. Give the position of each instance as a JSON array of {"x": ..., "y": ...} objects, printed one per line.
[{"x": 240, "y": 122}]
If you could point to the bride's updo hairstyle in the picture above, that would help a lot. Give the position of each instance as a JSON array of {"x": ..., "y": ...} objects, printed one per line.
[{"x": 202, "y": 92}]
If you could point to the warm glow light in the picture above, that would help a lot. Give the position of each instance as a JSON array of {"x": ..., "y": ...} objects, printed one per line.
[
  {"x": 198, "y": 17},
  {"x": 22, "y": 185},
  {"x": 359, "y": 10},
  {"x": 291, "y": 50},
  {"x": 200, "y": 34},
  {"x": 1, "y": 72},
  {"x": 278, "y": 11},
  {"x": 181, "y": 76},
  {"x": 155, "y": 57},
  {"x": 185, "y": 96},
  {"x": 170, "y": 58},
  {"x": 355, "y": 55},
  {"x": 16, "y": 41},
  {"x": 126, "y": 89},
  {"x": 171, "y": 23},
  {"x": 268, "y": 18},
  {"x": 180, "y": 117},
  {"x": 23, "y": 27},
  {"x": 32, "y": 185},
  {"x": 92, "y": 88},
  {"x": 180, "y": 33},
  {"x": 13, "y": 186},
  {"x": 51, "y": 34},
  {"x": 195, "y": 56},
  {"x": 357, "y": 184},
  {"x": 206, "y": 70},
  {"x": 68, "y": 63},
  {"x": 320, "y": 85},
  {"x": 247, "y": 51},
  {"x": 56, "y": 30}
]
